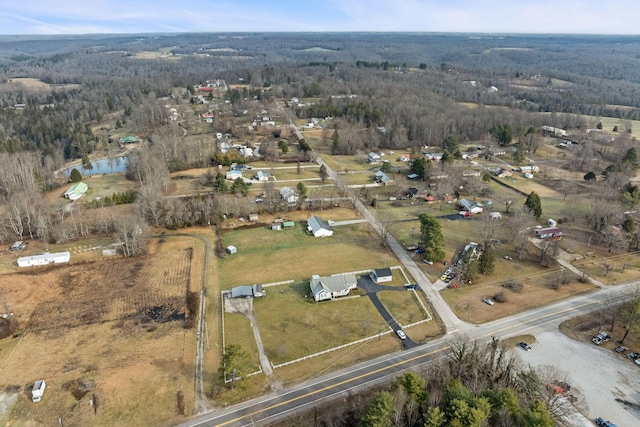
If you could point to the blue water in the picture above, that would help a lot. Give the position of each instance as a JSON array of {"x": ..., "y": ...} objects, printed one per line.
[{"x": 116, "y": 164}]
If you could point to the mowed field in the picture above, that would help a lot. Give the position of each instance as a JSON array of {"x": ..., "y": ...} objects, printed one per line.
[{"x": 108, "y": 329}]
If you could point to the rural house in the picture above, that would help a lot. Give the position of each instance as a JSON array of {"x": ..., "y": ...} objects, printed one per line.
[
  {"x": 319, "y": 227},
  {"x": 288, "y": 195},
  {"x": 374, "y": 158},
  {"x": 381, "y": 275},
  {"x": 470, "y": 206},
  {"x": 330, "y": 287},
  {"x": 382, "y": 178},
  {"x": 44, "y": 259},
  {"x": 261, "y": 176},
  {"x": 233, "y": 174},
  {"x": 76, "y": 191}
]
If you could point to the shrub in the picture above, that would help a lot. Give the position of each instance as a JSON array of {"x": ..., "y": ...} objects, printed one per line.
[
  {"x": 500, "y": 297},
  {"x": 75, "y": 175}
]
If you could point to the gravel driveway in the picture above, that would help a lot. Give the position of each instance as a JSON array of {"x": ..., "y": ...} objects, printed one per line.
[{"x": 609, "y": 382}]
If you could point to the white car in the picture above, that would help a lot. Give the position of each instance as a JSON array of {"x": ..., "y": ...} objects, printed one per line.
[
  {"x": 401, "y": 334},
  {"x": 487, "y": 300}
]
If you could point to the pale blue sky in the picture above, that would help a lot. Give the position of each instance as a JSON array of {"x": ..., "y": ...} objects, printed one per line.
[{"x": 496, "y": 16}]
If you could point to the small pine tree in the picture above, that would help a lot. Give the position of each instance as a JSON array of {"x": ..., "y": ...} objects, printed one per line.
[
  {"x": 75, "y": 175},
  {"x": 534, "y": 205},
  {"x": 487, "y": 260}
]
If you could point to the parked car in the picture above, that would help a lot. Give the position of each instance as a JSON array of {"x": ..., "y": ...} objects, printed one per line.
[
  {"x": 452, "y": 285},
  {"x": 602, "y": 423},
  {"x": 443, "y": 277},
  {"x": 464, "y": 213},
  {"x": 633, "y": 355},
  {"x": 523, "y": 345},
  {"x": 637, "y": 361},
  {"x": 401, "y": 334},
  {"x": 621, "y": 349},
  {"x": 411, "y": 287},
  {"x": 426, "y": 261},
  {"x": 487, "y": 300}
]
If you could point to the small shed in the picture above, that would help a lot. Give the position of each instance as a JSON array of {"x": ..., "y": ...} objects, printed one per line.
[
  {"x": 17, "y": 246},
  {"x": 253, "y": 217},
  {"x": 276, "y": 225},
  {"x": 495, "y": 215},
  {"x": 382, "y": 275},
  {"x": 232, "y": 249},
  {"x": 288, "y": 224}
]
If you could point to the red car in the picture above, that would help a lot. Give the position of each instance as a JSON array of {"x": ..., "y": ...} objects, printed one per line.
[{"x": 464, "y": 213}]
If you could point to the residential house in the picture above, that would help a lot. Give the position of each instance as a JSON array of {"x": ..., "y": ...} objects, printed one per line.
[
  {"x": 288, "y": 195},
  {"x": 553, "y": 131},
  {"x": 319, "y": 227},
  {"x": 382, "y": 178},
  {"x": 470, "y": 206},
  {"x": 233, "y": 174},
  {"x": 246, "y": 151},
  {"x": 374, "y": 158},
  {"x": 434, "y": 156},
  {"x": 381, "y": 275},
  {"x": 412, "y": 192},
  {"x": 529, "y": 169},
  {"x": 261, "y": 176},
  {"x": 331, "y": 287},
  {"x": 405, "y": 158}
]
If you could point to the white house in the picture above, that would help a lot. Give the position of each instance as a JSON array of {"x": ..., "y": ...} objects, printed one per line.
[
  {"x": 44, "y": 259},
  {"x": 330, "y": 287},
  {"x": 470, "y": 206},
  {"x": 288, "y": 195},
  {"x": 374, "y": 158},
  {"x": 318, "y": 227},
  {"x": 381, "y": 275},
  {"x": 529, "y": 169},
  {"x": 261, "y": 176},
  {"x": 233, "y": 174}
]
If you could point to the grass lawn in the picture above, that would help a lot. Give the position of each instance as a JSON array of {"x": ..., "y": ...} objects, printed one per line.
[
  {"x": 266, "y": 256},
  {"x": 622, "y": 267},
  {"x": 307, "y": 327},
  {"x": 403, "y": 306}
]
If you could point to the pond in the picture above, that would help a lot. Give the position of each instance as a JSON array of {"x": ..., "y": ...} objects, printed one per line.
[{"x": 112, "y": 165}]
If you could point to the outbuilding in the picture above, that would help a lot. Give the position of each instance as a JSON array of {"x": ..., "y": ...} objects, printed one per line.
[
  {"x": 319, "y": 227},
  {"x": 548, "y": 233},
  {"x": 232, "y": 249},
  {"x": 381, "y": 275}
]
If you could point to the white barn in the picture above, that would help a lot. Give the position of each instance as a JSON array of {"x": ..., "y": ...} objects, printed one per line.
[{"x": 44, "y": 259}]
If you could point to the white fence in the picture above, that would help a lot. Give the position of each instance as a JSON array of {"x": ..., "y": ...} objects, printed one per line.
[{"x": 291, "y": 362}]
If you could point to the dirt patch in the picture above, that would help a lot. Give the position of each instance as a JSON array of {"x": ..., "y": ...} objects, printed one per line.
[{"x": 79, "y": 387}]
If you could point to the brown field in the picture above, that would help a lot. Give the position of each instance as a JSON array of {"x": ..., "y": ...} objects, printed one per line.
[
  {"x": 114, "y": 324},
  {"x": 36, "y": 85}
]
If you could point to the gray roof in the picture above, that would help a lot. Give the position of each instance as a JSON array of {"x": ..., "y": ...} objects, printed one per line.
[
  {"x": 382, "y": 272},
  {"x": 337, "y": 283},
  {"x": 316, "y": 224}
]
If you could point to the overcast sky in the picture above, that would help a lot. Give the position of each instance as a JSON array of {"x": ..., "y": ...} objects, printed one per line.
[{"x": 494, "y": 16}]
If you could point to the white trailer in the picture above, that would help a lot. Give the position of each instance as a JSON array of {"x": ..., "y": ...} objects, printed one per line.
[
  {"x": 38, "y": 390},
  {"x": 44, "y": 259}
]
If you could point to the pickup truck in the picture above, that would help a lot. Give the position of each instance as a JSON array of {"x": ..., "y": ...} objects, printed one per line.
[{"x": 602, "y": 423}]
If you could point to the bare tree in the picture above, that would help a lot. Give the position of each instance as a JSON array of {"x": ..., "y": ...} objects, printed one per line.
[{"x": 132, "y": 233}]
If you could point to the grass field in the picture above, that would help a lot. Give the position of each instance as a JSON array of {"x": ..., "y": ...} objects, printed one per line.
[
  {"x": 307, "y": 327},
  {"x": 94, "y": 322}
]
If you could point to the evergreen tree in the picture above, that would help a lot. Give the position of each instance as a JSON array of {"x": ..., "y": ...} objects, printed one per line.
[
  {"x": 631, "y": 158},
  {"x": 323, "y": 173},
  {"x": 502, "y": 133},
  {"x": 590, "y": 176},
  {"x": 239, "y": 186},
  {"x": 534, "y": 205},
  {"x": 379, "y": 412},
  {"x": 75, "y": 175},
  {"x": 431, "y": 237},
  {"x": 451, "y": 145},
  {"x": 335, "y": 143},
  {"x": 418, "y": 166},
  {"x": 487, "y": 260},
  {"x": 236, "y": 364},
  {"x": 518, "y": 155},
  {"x": 220, "y": 184}
]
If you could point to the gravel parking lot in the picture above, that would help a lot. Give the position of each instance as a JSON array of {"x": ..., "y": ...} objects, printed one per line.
[{"x": 610, "y": 383}]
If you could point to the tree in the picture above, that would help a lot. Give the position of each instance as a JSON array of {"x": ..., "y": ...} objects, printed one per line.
[
  {"x": 418, "y": 166},
  {"x": 631, "y": 158},
  {"x": 487, "y": 260},
  {"x": 236, "y": 364},
  {"x": 486, "y": 177},
  {"x": 518, "y": 155},
  {"x": 220, "y": 183},
  {"x": 599, "y": 126},
  {"x": 75, "y": 175},
  {"x": 590, "y": 177},
  {"x": 335, "y": 143},
  {"x": 282, "y": 144},
  {"x": 131, "y": 231},
  {"x": 301, "y": 189},
  {"x": 501, "y": 132},
  {"x": 422, "y": 66},
  {"x": 239, "y": 186},
  {"x": 615, "y": 128},
  {"x": 447, "y": 158},
  {"x": 379, "y": 412},
  {"x": 534, "y": 205},
  {"x": 431, "y": 237},
  {"x": 451, "y": 145},
  {"x": 323, "y": 173}
]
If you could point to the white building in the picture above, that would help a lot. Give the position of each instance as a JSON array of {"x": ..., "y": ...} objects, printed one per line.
[
  {"x": 44, "y": 259},
  {"x": 327, "y": 288},
  {"x": 318, "y": 227}
]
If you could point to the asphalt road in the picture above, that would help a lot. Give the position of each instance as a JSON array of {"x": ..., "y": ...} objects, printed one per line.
[{"x": 281, "y": 404}]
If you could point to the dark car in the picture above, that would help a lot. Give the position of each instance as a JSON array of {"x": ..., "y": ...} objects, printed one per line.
[
  {"x": 411, "y": 287},
  {"x": 621, "y": 349},
  {"x": 633, "y": 355},
  {"x": 523, "y": 345}
]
